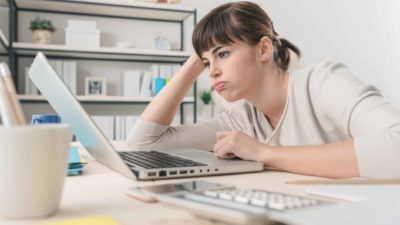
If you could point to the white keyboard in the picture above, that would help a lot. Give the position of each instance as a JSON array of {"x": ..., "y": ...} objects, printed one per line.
[
  {"x": 240, "y": 206},
  {"x": 254, "y": 201}
]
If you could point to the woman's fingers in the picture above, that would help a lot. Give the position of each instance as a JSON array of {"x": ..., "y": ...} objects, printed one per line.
[
  {"x": 222, "y": 148},
  {"x": 221, "y": 135}
]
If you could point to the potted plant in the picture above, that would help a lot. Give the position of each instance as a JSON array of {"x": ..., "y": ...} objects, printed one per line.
[
  {"x": 42, "y": 30},
  {"x": 206, "y": 98}
]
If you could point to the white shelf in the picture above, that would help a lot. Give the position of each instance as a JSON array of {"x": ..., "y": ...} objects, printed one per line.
[
  {"x": 98, "y": 99},
  {"x": 31, "y": 49},
  {"x": 117, "y": 8}
]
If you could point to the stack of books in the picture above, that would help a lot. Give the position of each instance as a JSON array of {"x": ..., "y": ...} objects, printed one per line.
[
  {"x": 75, "y": 162},
  {"x": 136, "y": 83}
]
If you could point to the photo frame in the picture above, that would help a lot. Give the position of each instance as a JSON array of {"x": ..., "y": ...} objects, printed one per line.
[{"x": 96, "y": 86}]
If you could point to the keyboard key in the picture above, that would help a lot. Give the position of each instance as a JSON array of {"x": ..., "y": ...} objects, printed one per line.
[
  {"x": 242, "y": 199},
  {"x": 226, "y": 195},
  {"x": 213, "y": 194},
  {"x": 276, "y": 205},
  {"x": 258, "y": 202}
]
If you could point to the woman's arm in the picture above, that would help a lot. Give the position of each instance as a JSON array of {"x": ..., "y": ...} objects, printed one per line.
[
  {"x": 335, "y": 160},
  {"x": 163, "y": 107},
  {"x": 153, "y": 131},
  {"x": 327, "y": 160}
]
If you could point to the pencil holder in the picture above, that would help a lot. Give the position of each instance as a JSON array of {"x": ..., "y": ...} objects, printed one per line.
[{"x": 33, "y": 166}]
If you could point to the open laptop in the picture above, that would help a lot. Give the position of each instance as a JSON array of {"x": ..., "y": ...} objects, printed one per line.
[{"x": 142, "y": 165}]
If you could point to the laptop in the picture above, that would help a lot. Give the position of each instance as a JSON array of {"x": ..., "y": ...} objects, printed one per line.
[{"x": 141, "y": 165}]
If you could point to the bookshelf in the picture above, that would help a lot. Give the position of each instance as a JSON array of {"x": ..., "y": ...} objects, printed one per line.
[{"x": 122, "y": 9}]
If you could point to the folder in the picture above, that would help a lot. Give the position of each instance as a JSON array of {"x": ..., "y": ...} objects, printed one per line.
[
  {"x": 93, "y": 220},
  {"x": 75, "y": 162}
]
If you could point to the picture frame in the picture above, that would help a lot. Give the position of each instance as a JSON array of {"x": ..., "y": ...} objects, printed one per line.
[{"x": 96, "y": 86}]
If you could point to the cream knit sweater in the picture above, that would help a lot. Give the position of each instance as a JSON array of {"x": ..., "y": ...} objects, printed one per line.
[{"x": 325, "y": 104}]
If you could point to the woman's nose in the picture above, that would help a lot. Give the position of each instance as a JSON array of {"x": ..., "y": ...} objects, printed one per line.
[{"x": 214, "y": 71}]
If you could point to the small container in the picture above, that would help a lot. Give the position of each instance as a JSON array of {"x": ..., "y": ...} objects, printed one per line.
[{"x": 45, "y": 118}]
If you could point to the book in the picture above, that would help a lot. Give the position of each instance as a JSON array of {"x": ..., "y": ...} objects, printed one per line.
[
  {"x": 131, "y": 83},
  {"x": 72, "y": 76},
  {"x": 145, "y": 89}
]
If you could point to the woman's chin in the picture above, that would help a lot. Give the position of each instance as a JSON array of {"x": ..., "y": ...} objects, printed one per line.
[{"x": 231, "y": 98}]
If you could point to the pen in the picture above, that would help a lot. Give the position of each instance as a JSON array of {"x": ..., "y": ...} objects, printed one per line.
[{"x": 10, "y": 107}]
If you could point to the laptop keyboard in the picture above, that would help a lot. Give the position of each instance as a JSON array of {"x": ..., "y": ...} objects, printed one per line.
[{"x": 156, "y": 159}]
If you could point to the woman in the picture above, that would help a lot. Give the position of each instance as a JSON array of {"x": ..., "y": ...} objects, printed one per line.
[{"x": 316, "y": 120}]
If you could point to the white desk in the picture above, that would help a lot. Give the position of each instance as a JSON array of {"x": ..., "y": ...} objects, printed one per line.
[{"x": 101, "y": 191}]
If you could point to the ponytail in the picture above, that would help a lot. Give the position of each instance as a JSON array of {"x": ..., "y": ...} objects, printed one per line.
[{"x": 282, "y": 48}]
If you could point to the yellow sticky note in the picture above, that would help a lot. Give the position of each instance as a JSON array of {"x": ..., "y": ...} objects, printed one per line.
[{"x": 93, "y": 220}]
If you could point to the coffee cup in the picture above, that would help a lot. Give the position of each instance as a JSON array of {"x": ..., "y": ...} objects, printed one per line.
[{"x": 33, "y": 166}]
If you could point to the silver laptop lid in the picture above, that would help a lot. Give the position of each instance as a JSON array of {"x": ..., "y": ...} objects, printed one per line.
[{"x": 68, "y": 107}]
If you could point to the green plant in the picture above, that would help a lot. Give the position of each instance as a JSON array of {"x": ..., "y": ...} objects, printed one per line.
[
  {"x": 41, "y": 24},
  {"x": 205, "y": 96}
]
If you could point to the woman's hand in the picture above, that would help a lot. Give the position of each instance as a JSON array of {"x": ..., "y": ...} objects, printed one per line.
[
  {"x": 237, "y": 144},
  {"x": 163, "y": 107}
]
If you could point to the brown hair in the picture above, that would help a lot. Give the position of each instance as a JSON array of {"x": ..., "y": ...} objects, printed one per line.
[{"x": 244, "y": 21}]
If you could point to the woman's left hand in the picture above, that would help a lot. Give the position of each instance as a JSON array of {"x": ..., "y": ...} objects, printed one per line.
[{"x": 233, "y": 144}]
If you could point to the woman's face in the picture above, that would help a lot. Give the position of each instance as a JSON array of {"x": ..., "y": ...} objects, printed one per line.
[{"x": 234, "y": 69}]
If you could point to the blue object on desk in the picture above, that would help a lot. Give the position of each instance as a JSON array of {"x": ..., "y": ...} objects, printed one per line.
[
  {"x": 45, "y": 118},
  {"x": 75, "y": 164}
]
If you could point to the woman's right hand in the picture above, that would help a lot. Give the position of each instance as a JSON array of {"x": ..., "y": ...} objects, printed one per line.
[{"x": 195, "y": 63}]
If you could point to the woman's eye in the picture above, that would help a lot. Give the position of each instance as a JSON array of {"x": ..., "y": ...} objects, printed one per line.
[
  {"x": 223, "y": 54},
  {"x": 207, "y": 64}
]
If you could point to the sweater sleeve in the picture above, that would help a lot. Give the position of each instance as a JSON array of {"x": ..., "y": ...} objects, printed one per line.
[
  {"x": 365, "y": 116},
  {"x": 147, "y": 135}
]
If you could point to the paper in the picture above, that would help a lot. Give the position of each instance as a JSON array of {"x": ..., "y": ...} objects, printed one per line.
[
  {"x": 94, "y": 220},
  {"x": 357, "y": 193},
  {"x": 365, "y": 213}
]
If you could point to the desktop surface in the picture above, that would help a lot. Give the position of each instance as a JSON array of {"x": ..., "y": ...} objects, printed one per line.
[{"x": 101, "y": 191}]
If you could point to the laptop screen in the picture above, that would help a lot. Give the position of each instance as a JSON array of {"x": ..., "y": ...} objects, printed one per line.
[{"x": 71, "y": 111}]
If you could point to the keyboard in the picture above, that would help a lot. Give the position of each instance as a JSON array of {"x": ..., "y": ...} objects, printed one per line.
[
  {"x": 253, "y": 201},
  {"x": 156, "y": 159}
]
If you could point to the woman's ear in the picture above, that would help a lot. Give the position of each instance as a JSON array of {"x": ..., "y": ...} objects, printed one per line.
[{"x": 266, "y": 48}]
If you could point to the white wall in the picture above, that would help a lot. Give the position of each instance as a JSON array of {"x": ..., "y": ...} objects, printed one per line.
[{"x": 363, "y": 34}]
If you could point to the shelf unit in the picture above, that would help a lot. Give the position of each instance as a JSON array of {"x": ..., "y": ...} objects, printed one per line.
[{"x": 121, "y": 9}]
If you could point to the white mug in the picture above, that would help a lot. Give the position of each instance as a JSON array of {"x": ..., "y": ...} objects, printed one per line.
[{"x": 33, "y": 166}]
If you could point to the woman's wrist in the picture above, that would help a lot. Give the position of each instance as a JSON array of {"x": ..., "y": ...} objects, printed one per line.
[
  {"x": 266, "y": 154},
  {"x": 194, "y": 64}
]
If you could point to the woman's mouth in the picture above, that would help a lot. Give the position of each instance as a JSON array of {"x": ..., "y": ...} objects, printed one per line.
[{"x": 219, "y": 86}]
